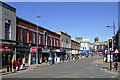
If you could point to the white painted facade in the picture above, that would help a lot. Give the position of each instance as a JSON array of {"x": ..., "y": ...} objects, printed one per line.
[{"x": 84, "y": 44}]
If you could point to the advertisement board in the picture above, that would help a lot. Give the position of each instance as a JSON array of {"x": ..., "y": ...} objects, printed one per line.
[{"x": 5, "y": 49}]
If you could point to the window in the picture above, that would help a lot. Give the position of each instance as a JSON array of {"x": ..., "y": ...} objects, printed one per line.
[
  {"x": 48, "y": 40},
  {"x": 26, "y": 35},
  {"x": 41, "y": 39},
  {"x": 38, "y": 38},
  {"x": 7, "y": 31},
  {"x": 54, "y": 42},
  {"x": 45, "y": 38},
  {"x": 19, "y": 34},
  {"x": 33, "y": 37},
  {"x": 57, "y": 43}
]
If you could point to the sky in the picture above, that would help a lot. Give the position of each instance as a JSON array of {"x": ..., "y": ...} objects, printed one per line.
[{"x": 78, "y": 19}]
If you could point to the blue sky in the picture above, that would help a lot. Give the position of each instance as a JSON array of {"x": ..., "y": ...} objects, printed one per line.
[{"x": 83, "y": 19}]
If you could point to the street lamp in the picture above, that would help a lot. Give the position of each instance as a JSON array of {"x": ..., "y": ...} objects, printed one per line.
[
  {"x": 113, "y": 27},
  {"x": 37, "y": 43}
]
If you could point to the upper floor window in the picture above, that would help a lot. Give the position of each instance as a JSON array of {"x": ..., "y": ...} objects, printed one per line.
[
  {"x": 38, "y": 38},
  {"x": 33, "y": 37},
  {"x": 54, "y": 42},
  {"x": 26, "y": 35},
  {"x": 19, "y": 34},
  {"x": 50, "y": 41},
  {"x": 57, "y": 43},
  {"x": 7, "y": 31}
]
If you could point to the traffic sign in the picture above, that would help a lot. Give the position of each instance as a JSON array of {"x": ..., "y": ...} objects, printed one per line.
[{"x": 116, "y": 51}]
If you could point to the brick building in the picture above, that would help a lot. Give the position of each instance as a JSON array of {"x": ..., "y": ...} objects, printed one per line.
[{"x": 48, "y": 42}]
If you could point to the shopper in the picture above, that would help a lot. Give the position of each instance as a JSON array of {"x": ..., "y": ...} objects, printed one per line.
[
  {"x": 23, "y": 62},
  {"x": 18, "y": 62},
  {"x": 8, "y": 64},
  {"x": 14, "y": 65}
]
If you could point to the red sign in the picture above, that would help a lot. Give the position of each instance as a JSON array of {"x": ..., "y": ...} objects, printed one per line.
[
  {"x": 33, "y": 49},
  {"x": 116, "y": 51},
  {"x": 5, "y": 48}
]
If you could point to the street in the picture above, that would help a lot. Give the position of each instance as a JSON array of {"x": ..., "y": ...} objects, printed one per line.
[{"x": 81, "y": 68}]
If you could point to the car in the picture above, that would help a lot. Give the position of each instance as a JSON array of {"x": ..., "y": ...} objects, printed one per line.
[{"x": 101, "y": 54}]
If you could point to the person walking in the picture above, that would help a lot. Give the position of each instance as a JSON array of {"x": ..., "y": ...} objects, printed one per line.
[
  {"x": 14, "y": 65},
  {"x": 49, "y": 60},
  {"x": 8, "y": 64},
  {"x": 23, "y": 62},
  {"x": 18, "y": 62}
]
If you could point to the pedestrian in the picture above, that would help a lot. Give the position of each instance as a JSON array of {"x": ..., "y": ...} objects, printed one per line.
[
  {"x": 8, "y": 64},
  {"x": 49, "y": 60},
  {"x": 14, "y": 65},
  {"x": 23, "y": 62},
  {"x": 18, "y": 62}
]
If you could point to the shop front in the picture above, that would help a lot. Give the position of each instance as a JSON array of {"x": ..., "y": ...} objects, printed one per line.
[
  {"x": 74, "y": 54},
  {"x": 57, "y": 54},
  {"x": 6, "y": 54},
  {"x": 45, "y": 55},
  {"x": 33, "y": 54},
  {"x": 21, "y": 53}
]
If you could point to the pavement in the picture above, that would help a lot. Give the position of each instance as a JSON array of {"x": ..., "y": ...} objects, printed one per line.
[
  {"x": 82, "y": 68},
  {"x": 106, "y": 67},
  {"x": 30, "y": 67}
]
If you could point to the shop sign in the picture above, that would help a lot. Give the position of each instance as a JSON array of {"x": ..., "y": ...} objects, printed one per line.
[
  {"x": 45, "y": 50},
  {"x": 5, "y": 48},
  {"x": 74, "y": 52},
  {"x": 33, "y": 49},
  {"x": 58, "y": 50}
]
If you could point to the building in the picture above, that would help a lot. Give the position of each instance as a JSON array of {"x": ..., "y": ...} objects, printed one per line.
[
  {"x": 75, "y": 47},
  {"x": 48, "y": 42},
  {"x": 119, "y": 25},
  {"x": 116, "y": 44},
  {"x": 65, "y": 43},
  {"x": 8, "y": 32},
  {"x": 99, "y": 46},
  {"x": 84, "y": 45},
  {"x": 19, "y": 39}
]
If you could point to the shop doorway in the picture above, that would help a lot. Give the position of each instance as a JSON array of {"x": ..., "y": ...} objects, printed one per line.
[
  {"x": 33, "y": 58},
  {"x": 45, "y": 57}
]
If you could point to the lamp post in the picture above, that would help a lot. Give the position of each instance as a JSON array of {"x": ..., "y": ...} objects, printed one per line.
[
  {"x": 113, "y": 27},
  {"x": 37, "y": 44}
]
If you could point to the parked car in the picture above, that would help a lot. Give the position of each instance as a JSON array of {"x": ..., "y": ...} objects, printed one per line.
[{"x": 101, "y": 54}]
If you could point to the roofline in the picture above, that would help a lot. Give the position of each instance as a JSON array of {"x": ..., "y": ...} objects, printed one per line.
[
  {"x": 8, "y": 5},
  {"x": 36, "y": 25},
  {"x": 75, "y": 41},
  {"x": 64, "y": 33}
]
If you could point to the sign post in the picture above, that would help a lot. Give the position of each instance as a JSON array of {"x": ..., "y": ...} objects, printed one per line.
[
  {"x": 116, "y": 52},
  {"x": 110, "y": 47}
]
